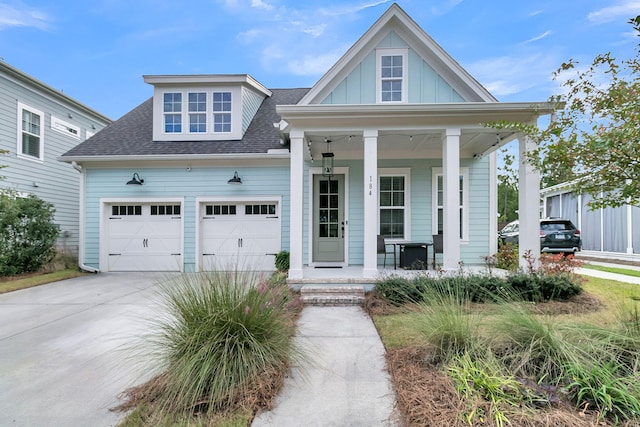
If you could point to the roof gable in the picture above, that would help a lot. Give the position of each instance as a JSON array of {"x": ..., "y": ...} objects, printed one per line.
[{"x": 396, "y": 29}]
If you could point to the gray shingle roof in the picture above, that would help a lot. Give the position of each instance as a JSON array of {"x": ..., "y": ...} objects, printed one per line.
[{"x": 132, "y": 134}]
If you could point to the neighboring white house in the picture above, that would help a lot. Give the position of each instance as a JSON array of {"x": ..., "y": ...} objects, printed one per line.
[
  {"x": 401, "y": 120},
  {"x": 37, "y": 125},
  {"x": 607, "y": 232}
]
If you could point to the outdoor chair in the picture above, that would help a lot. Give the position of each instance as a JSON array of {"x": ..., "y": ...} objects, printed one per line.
[
  {"x": 438, "y": 247},
  {"x": 382, "y": 249}
]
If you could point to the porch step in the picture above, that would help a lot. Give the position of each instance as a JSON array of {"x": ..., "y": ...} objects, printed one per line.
[{"x": 331, "y": 295}]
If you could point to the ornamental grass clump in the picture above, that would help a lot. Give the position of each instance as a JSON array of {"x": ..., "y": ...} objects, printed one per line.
[{"x": 221, "y": 331}]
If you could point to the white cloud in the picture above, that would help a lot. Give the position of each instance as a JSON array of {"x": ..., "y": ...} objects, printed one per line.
[
  {"x": 511, "y": 75},
  {"x": 313, "y": 65},
  {"x": 350, "y": 10},
  {"x": 446, "y": 7},
  {"x": 624, "y": 10},
  {"x": 22, "y": 16},
  {"x": 536, "y": 38},
  {"x": 259, "y": 4}
]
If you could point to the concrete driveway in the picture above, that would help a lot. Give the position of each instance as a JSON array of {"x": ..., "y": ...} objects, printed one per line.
[{"x": 65, "y": 348}]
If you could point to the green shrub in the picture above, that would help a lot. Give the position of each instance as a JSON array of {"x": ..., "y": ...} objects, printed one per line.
[
  {"x": 282, "y": 261},
  {"x": 220, "y": 330},
  {"x": 507, "y": 257},
  {"x": 399, "y": 290},
  {"x": 27, "y": 233}
]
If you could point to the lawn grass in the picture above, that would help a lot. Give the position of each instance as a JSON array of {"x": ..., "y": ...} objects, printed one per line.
[
  {"x": 616, "y": 270},
  {"x": 10, "y": 284},
  {"x": 398, "y": 330}
]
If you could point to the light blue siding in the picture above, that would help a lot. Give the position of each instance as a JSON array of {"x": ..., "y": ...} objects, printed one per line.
[
  {"x": 422, "y": 208},
  {"x": 251, "y": 101},
  {"x": 424, "y": 84},
  {"x": 179, "y": 183},
  {"x": 50, "y": 180}
]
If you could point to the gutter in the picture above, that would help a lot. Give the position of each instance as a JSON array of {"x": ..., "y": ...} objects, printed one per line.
[{"x": 81, "y": 263}]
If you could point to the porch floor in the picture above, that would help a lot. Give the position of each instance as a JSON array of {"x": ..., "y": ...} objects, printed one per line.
[{"x": 353, "y": 275}]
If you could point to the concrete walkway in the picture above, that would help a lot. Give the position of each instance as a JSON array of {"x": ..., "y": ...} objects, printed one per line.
[
  {"x": 345, "y": 382},
  {"x": 611, "y": 276}
]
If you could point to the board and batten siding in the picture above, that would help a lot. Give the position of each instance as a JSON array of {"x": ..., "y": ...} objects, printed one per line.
[
  {"x": 425, "y": 85},
  {"x": 251, "y": 101},
  {"x": 178, "y": 182},
  {"x": 52, "y": 181}
]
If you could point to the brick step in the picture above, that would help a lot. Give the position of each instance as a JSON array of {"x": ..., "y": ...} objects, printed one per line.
[{"x": 331, "y": 295}]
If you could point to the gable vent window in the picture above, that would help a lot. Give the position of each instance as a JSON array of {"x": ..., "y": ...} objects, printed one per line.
[
  {"x": 198, "y": 112},
  {"x": 172, "y": 108},
  {"x": 392, "y": 75}
]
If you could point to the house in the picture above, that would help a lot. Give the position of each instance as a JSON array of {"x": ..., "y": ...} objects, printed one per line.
[
  {"x": 398, "y": 122},
  {"x": 37, "y": 125},
  {"x": 609, "y": 233}
]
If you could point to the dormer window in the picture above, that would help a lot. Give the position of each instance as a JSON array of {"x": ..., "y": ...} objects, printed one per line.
[
  {"x": 222, "y": 111},
  {"x": 392, "y": 75},
  {"x": 197, "y": 112},
  {"x": 172, "y": 108}
]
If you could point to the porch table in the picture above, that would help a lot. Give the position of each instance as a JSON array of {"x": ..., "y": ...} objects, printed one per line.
[{"x": 402, "y": 246}]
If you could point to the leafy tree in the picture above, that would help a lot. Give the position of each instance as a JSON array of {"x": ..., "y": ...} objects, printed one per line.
[
  {"x": 507, "y": 188},
  {"x": 595, "y": 139},
  {"x": 27, "y": 233}
]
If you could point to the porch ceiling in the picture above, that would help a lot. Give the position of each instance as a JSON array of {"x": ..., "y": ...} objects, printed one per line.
[{"x": 408, "y": 130}]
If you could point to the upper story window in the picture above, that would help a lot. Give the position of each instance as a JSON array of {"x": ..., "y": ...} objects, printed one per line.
[
  {"x": 222, "y": 111},
  {"x": 30, "y": 132},
  {"x": 197, "y": 112},
  {"x": 172, "y": 107},
  {"x": 392, "y": 75}
]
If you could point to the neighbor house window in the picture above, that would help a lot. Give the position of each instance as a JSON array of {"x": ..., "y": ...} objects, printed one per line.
[
  {"x": 438, "y": 202},
  {"x": 392, "y": 73},
  {"x": 222, "y": 111},
  {"x": 172, "y": 108},
  {"x": 394, "y": 204},
  {"x": 30, "y": 132},
  {"x": 197, "y": 112}
]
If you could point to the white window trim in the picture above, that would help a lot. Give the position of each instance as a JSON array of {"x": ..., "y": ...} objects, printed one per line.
[
  {"x": 392, "y": 52},
  {"x": 65, "y": 128},
  {"x": 406, "y": 173},
  {"x": 21, "y": 108},
  {"x": 185, "y": 114},
  {"x": 464, "y": 171},
  {"x": 182, "y": 112}
]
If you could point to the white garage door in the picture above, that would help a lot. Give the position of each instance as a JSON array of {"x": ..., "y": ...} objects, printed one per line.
[
  {"x": 243, "y": 236},
  {"x": 144, "y": 237}
]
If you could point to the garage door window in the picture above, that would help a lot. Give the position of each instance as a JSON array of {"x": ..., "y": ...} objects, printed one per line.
[
  {"x": 260, "y": 209},
  {"x": 126, "y": 210},
  {"x": 220, "y": 209},
  {"x": 165, "y": 209}
]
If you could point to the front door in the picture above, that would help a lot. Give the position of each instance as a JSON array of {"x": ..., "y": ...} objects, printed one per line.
[{"x": 328, "y": 218}]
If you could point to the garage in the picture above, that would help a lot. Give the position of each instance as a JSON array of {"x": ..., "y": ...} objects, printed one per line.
[
  {"x": 144, "y": 237},
  {"x": 243, "y": 235}
]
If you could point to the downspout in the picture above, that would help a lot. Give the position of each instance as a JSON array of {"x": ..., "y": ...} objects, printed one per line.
[{"x": 81, "y": 263}]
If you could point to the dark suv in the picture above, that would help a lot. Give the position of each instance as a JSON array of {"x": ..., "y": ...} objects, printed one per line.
[{"x": 556, "y": 235}]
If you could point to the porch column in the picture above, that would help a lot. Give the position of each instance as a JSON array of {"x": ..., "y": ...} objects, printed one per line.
[
  {"x": 370, "y": 268},
  {"x": 297, "y": 208},
  {"x": 451, "y": 202},
  {"x": 528, "y": 204}
]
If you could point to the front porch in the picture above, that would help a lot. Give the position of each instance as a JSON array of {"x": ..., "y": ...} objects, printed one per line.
[{"x": 353, "y": 275}]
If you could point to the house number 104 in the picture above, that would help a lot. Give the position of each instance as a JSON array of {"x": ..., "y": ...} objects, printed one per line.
[{"x": 370, "y": 184}]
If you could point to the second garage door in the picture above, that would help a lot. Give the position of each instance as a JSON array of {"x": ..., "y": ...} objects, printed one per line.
[{"x": 243, "y": 236}]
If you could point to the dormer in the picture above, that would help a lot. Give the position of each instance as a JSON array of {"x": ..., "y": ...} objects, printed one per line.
[{"x": 205, "y": 107}]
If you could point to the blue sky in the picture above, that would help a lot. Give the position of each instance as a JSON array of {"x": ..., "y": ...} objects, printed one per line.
[{"x": 97, "y": 51}]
